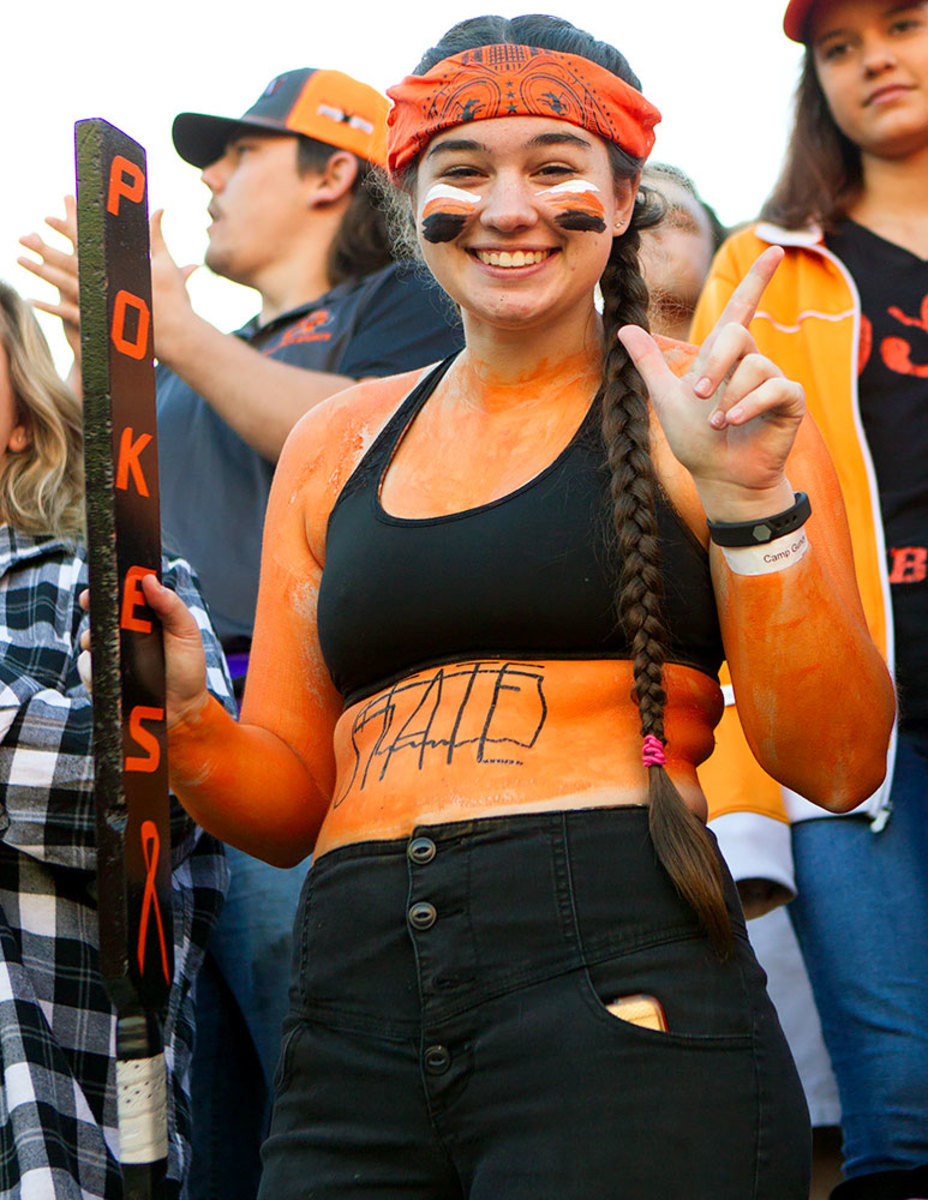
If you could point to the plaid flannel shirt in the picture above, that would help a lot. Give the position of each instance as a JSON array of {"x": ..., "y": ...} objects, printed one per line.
[{"x": 58, "y": 1130}]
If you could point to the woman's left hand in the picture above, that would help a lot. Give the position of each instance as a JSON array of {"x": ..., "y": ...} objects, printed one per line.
[{"x": 732, "y": 418}]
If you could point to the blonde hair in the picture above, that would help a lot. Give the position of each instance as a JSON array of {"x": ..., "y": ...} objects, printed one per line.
[{"x": 42, "y": 485}]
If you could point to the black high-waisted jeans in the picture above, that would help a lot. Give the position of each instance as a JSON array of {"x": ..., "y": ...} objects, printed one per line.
[{"x": 448, "y": 1034}]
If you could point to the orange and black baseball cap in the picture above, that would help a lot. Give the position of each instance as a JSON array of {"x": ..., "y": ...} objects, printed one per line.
[
  {"x": 326, "y": 105},
  {"x": 796, "y": 19}
]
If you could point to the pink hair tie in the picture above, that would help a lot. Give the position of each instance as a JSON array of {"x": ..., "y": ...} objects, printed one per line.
[{"x": 652, "y": 752}]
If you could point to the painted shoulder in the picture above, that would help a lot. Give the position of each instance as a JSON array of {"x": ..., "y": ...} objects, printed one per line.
[
  {"x": 328, "y": 442},
  {"x": 343, "y": 426}
]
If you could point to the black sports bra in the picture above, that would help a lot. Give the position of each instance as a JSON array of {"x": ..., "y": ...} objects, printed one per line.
[{"x": 530, "y": 575}]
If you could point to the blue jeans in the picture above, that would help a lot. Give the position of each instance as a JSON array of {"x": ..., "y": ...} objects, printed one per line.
[
  {"x": 861, "y": 917},
  {"x": 449, "y": 1036},
  {"x": 241, "y": 1002}
]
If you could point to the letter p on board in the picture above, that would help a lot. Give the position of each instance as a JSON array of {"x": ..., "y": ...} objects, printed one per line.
[{"x": 126, "y": 179}]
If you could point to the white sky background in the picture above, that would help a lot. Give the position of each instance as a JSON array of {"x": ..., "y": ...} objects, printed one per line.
[{"x": 721, "y": 71}]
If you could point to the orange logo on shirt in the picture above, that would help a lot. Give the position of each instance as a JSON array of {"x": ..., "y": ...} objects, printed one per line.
[
  {"x": 309, "y": 329},
  {"x": 909, "y": 564},
  {"x": 896, "y": 352}
]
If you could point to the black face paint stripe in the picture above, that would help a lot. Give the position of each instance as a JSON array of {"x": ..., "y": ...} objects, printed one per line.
[
  {"x": 575, "y": 218},
  {"x": 443, "y": 226}
]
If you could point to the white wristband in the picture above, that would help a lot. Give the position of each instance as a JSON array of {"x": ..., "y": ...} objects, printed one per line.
[
  {"x": 772, "y": 556},
  {"x": 141, "y": 1097}
]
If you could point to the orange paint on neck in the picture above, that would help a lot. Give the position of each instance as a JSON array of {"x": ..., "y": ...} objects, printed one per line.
[{"x": 481, "y": 384}]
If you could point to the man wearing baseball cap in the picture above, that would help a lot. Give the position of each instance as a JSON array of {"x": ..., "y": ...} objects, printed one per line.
[
  {"x": 326, "y": 105},
  {"x": 292, "y": 217}
]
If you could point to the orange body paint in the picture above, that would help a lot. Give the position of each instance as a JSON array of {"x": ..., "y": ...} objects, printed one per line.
[
  {"x": 487, "y": 737},
  {"x": 446, "y": 212},
  {"x": 576, "y": 205},
  {"x": 478, "y": 739}
]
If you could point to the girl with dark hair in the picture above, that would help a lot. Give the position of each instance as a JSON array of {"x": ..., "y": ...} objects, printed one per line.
[
  {"x": 484, "y": 674},
  {"x": 846, "y": 315}
]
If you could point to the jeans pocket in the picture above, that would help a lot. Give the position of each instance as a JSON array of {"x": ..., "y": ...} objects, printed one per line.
[
  {"x": 701, "y": 997},
  {"x": 284, "y": 1069},
  {"x": 695, "y": 1097}
]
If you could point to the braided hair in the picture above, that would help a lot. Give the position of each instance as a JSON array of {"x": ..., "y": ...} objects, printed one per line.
[{"x": 680, "y": 838}]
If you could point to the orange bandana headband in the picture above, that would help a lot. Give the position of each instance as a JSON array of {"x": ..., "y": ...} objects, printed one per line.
[{"x": 516, "y": 81}]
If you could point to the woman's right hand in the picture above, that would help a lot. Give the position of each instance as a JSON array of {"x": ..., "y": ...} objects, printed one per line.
[
  {"x": 184, "y": 656},
  {"x": 731, "y": 420}
]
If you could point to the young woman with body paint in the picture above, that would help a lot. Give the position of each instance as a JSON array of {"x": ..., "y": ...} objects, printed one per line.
[
  {"x": 848, "y": 314},
  {"x": 483, "y": 678}
]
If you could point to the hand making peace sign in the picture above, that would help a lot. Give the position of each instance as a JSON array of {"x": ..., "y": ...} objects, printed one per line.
[{"x": 732, "y": 418}]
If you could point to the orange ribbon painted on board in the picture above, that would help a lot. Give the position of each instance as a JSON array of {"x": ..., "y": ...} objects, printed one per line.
[{"x": 151, "y": 848}]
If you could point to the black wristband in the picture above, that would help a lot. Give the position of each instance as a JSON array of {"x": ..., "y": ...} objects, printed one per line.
[{"x": 763, "y": 530}]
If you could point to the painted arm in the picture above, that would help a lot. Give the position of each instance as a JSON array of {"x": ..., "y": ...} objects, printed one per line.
[
  {"x": 737, "y": 426},
  {"x": 814, "y": 696},
  {"x": 264, "y": 784}
]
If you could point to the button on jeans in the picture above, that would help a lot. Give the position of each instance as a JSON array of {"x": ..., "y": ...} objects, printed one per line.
[{"x": 449, "y": 1034}]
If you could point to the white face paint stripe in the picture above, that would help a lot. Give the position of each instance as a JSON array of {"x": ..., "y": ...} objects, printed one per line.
[
  {"x": 444, "y": 191},
  {"x": 569, "y": 187}
]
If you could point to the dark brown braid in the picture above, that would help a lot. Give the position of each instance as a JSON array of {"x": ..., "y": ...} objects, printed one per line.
[{"x": 680, "y": 838}]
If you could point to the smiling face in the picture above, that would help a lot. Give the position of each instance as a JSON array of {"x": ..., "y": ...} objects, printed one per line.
[
  {"x": 871, "y": 58},
  {"x": 516, "y": 218}
]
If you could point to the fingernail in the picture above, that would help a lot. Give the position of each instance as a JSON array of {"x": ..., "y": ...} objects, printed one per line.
[
  {"x": 704, "y": 387},
  {"x": 735, "y": 413},
  {"x": 717, "y": 419},
  {"x": 85, "y": 669}
]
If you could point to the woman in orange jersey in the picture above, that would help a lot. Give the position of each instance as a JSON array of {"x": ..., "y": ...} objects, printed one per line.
[
  {"x": 484, "y": 675},
  {"x": 847, "y": 315}
]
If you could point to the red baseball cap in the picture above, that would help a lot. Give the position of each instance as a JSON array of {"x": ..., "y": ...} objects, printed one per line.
[
  {"x": 796, "y": 18},
  {"x": 326, "y": 105}
]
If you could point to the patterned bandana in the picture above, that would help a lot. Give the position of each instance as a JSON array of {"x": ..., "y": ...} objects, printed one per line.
[{"x": 516, "y": 81}]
